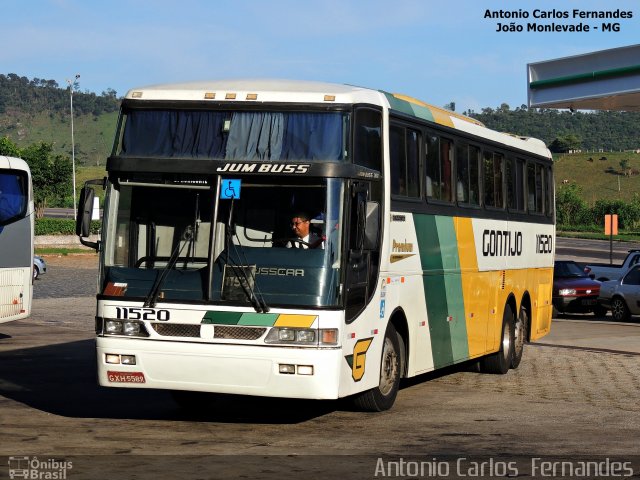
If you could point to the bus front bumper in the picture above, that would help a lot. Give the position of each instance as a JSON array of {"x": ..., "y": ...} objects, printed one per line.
[{"x": 273, "y": 371}]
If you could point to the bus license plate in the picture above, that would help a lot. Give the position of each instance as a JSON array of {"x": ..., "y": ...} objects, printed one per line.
[{"x": 126, "y": 377}]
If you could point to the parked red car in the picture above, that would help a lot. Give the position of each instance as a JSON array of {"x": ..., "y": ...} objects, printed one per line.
[{"x": 574, "y": 291}]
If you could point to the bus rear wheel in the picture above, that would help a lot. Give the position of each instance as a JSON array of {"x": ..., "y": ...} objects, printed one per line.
[
  {"x": 383, "y": 396},
  {"x": 500, "y": 361},
  {"x": 519, "y": 337}
]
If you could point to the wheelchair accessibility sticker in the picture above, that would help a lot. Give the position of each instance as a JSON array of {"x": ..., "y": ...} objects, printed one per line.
[{"x": 230, "y": 189}]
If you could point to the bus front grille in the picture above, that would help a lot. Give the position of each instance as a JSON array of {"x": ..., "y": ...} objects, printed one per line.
[
  {"x": 176, "y": 330},
  {"x": 238, "y": 333}
]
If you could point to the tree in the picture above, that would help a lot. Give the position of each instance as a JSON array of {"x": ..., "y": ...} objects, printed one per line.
[
  {"x": 570, "y": 208},
  {"x": 565, "y": 143},
  {"x": 51, "y": 174},
  {"x": 8, "y": 148},
  {"x": 624, "y": 165}
]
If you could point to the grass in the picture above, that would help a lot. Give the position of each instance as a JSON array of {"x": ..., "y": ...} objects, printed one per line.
[
  {"x": 599, "y": 179},
  {"x": 62, "y": 251},
  {"x": 623, "y": 237}
]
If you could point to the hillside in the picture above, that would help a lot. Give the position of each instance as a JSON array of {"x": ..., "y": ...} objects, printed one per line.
[
  {"x": 37, "y": 110},
  {"x": 599, "y": 175},
  {"x": 93, "y": 134},
  {"x": 609, "y": 131}
]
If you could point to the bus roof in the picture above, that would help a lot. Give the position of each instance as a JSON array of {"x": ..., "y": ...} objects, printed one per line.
[
  {"x": 280, "y": 91},
  {"x": 13, "y": 162}
]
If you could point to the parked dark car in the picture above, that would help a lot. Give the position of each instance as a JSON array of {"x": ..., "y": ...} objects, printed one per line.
[
  {"x": 622, "y": 296},
  {"x": 574, "y": 291}
]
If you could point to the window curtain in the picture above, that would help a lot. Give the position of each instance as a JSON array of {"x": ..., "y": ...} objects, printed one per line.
[
  {"x": 174, "y": 134},
  {"x": 259, "y": 136},
  {"x": 255, "y": 136}
]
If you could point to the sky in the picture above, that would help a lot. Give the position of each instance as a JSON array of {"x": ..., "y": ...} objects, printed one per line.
[{"x": 439, "y": 51}]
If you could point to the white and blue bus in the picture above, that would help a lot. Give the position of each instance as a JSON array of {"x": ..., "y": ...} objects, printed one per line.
[
  {"x": 436, "y": 242},
  {"x": 16, "y": 239}
]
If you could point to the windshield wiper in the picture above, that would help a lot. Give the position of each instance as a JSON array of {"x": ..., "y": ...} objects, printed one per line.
[
  {"x": 152, "y": 298},
  {"x": 254, "y": 296}
]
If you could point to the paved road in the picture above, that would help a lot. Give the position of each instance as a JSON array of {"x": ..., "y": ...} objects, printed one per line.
[
  {"x": 569, "y": 398},
  {"x": 583, "y": 250}
]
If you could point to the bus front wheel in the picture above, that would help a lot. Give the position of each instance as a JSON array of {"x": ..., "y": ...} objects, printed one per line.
[
  {"x": 500, "y": 361},
  {"x": 383, "y": 396}
]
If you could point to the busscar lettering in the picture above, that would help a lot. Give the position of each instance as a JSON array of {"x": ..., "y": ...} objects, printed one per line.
[
  {"x": 281, "y": 272},
  {"x": 501, "y": 243},
  {"x": 241, "y": 167}
]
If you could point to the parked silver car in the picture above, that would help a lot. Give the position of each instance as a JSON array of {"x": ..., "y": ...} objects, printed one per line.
[
  {"x": 622, "y": 296},
  {"x": 39, "y": 266}
]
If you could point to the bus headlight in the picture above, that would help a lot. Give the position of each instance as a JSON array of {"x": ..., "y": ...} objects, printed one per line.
[
  {"x": 129, "y": 328},
  {"x": 113, "y": 327},
  {"x": 302, "y": 336}
]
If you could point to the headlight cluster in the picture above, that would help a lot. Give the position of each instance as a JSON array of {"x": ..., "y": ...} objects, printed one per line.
[
  {"x": 566, "y": 292},
  {"x": 128, "y": 328},
  {"x": 302, "y": 336}
]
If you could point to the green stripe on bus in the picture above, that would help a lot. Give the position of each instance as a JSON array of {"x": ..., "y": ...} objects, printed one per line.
[
  {"x": 453, "y": 287},
  {"x": 222, "y": 318},
  {"x": 409, "y": 108},
  {"x": 259, "y": 319},
  {"x": 239, "y": 318},
  {"x": 442, "y": 282},
  {"x": 435, "y": 291}
]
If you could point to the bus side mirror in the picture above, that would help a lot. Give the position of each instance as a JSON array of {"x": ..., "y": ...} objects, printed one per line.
[
  {"x": 372, "y": 226},
  {"x": 83, "y": 220}
]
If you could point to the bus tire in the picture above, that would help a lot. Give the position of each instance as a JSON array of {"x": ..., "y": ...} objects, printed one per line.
[
  {"x": 383, "y": 396},
  {"x": 499, "y": 362},
  {"x": 519, "y": 337}
]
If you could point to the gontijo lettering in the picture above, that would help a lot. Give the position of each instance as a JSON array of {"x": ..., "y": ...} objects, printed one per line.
[{"x": 501, "y": 243}]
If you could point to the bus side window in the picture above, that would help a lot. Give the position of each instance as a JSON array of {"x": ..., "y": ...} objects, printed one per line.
[
  {"x": 405, "y": 161},
  {"x": 368, "y": 139},
  {"x": 474, "y": 175},
  {"x": 432, "y": 178},
  {"x": 531, "y": 187},
  {"x": 462, "y": 173},
  {"x": 493, "y": 179}
]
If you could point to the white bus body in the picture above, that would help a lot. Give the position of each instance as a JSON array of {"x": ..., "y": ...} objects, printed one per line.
[
  {"x": 16, "y": 239},
  {"x": 436, "y": 242}
]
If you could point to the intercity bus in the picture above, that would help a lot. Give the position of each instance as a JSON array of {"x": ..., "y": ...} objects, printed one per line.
[
  {"x": 437, "y": 242},
  {"x": 16, "y": 239}
]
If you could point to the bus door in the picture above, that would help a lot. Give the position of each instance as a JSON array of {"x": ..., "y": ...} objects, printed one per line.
[{"x": 363, "y": 249}]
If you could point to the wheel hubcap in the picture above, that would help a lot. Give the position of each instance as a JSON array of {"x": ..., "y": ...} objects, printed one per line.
[
  {"x": 506, "y": 342},
  {"x": 519, "y": 334},
  {"x": 389, "y": 370}
]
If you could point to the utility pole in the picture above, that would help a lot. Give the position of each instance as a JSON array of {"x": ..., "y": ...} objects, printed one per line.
[{"x": 73, "y": 144}]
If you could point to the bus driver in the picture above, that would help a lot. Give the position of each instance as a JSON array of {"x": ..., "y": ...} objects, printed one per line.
[{"x": 305, "y": 238}]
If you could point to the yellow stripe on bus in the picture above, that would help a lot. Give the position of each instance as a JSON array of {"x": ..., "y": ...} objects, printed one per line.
[
  {"x": 299, "y": 321},
  {"x": 475, "y": 288}
]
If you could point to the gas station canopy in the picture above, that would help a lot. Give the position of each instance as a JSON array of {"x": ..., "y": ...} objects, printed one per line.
[{"x": 604, "y": 80}]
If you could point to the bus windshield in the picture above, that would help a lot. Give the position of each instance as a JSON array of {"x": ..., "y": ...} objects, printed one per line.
[
  {"x": 175, "y": 241},
  {"x": 13, "y": 195},
  {"x": 236, "y": 135}
]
